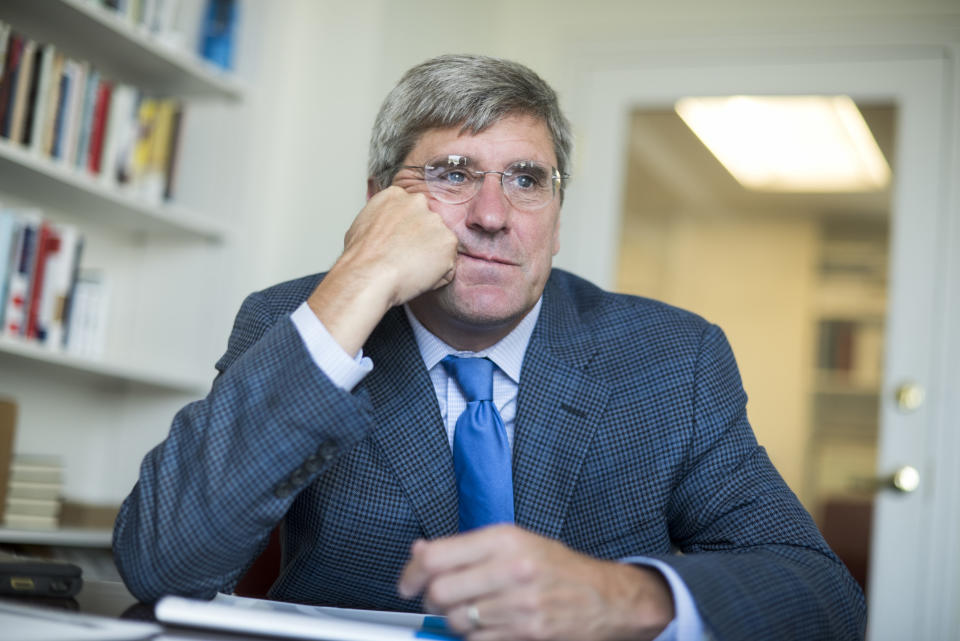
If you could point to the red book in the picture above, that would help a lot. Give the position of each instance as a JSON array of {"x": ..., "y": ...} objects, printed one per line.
[
  {"x": 48, "y": 244},
  {"x": 8, "y": 82},
  {"x": 98, "y": 128}
]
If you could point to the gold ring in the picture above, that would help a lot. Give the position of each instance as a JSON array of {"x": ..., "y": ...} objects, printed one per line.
[{"x": 473, "y": 616}]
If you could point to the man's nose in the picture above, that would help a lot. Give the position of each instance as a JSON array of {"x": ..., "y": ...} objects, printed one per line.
[{"x": 489, "y": 209}]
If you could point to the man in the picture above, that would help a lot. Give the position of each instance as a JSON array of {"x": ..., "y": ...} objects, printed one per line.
[{"x": 443, "y": 421}]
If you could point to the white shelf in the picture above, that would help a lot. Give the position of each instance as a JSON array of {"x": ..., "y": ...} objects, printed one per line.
[
  {"x": 104, "y": 371},
  {"x": 120, "y": 49},
  {"x": 68, "y": 537},
  {"x": 52, "y": 184}
]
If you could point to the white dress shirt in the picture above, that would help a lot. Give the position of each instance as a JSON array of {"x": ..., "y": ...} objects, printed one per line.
[{"x": 507, "y": 354}]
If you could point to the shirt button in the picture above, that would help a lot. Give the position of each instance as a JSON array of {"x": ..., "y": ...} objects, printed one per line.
[{"x": 297, "y": 478}]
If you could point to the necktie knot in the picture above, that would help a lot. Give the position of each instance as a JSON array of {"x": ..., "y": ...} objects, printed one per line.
[{"x": 473, "y": 375}]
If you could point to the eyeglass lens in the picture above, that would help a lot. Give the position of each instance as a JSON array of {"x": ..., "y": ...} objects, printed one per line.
[{"x": 527, "y": 184}]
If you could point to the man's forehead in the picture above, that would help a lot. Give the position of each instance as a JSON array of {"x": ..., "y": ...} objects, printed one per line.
[{"x": 515, "y": 137}]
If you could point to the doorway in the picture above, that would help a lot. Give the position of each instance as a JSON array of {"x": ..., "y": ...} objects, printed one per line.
[
  {"x": 908, "y": 581},
  {"x": 798, "y": 282}
]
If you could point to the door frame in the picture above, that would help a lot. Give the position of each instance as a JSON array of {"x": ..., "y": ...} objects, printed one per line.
[{"x": 914, "y": 586}]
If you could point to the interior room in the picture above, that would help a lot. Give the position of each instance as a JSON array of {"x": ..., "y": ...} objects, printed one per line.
[{"x": 837, "y": 300}]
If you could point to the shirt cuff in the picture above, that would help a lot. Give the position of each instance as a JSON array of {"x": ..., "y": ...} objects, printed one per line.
[
  {"x": 345, "y": 371},
  {"x": 686, "y": 623}
]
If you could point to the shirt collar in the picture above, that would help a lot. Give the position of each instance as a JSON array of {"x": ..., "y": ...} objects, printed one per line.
[{"x": 507, "y": 353}]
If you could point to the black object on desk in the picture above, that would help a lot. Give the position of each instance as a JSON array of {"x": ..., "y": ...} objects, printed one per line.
[{"x": 38, "y": 578}]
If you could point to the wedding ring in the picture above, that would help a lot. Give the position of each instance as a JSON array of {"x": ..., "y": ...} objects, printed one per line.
[{"x": 473, "y": 616}]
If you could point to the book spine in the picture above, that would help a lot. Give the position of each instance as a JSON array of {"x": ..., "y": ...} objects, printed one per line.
[
  {"x": 19, "y": 284},
  {"x": 99, "y": 125},
  {"x": 86, "y": 118},
  {"x": 8, "y": 86},
  {"x": 22, "y": 91},
  {"x": 59, "y": 120},
  {"x": 9, "y": 226},
  {"x": 53, "y": 104},
  {"x": 31, "y": 108},
  {"x": 48, "y": 243},
  {"x": 43, "y": 98},
  {"x": 57, "y": 287}
]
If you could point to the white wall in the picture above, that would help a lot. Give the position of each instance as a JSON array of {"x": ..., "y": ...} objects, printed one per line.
[{"x": 286, "y": 166}]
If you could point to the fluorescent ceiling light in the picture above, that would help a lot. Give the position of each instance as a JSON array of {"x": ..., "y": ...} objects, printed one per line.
[{"x": 789, "y": 143}]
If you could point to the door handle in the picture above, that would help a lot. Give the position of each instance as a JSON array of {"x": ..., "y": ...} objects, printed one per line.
[{"x": 904, "y": 480}]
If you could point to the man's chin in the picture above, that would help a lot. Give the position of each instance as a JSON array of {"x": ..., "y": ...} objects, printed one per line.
[{"x": 480, "y": 307}]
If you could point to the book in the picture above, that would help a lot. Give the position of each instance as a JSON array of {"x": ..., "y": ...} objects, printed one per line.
[
  {"x": 34, "y": 491},
  {"x": 101, "y": 111},
  {"x": 27, "y": 522},
  {"x": 49, "y": 116},
  {"x": 74, "y": 108},
  {"x": 8, "y": 429},
  {"x": 118, "y": 132},
  {"x": 296, "y": 621},
  {"x": 173, "y": 149},
  {"x": 9, "y": 225},
  {"x": 48, "y": 244},
  {"x": 61, "y": 270},
  {"x": 92, "y": 84},
  {"x": 18, "y": 282},
  {"x": 22, "y": 91},
  {"x": 33, "y": 93},
  {"x": 29, "y": 468},
  {"x": 63, "y": 104},
  {"x": 218, "y": 32},
  {"x": 33, "y": 507},
  {"x": 41, "y": 104},
  {"x": 4, "y": 39},
  {"x": 89, "y": 308},
  {"x": 9, "y": 82}
]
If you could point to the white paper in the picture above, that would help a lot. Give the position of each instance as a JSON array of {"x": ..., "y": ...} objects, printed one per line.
[{"x": 296, "y": 621}]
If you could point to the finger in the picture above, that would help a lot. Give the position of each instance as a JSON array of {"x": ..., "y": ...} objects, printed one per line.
[
  {"x": 487, "y": 579},
  {"x": 430, "y": 559}
]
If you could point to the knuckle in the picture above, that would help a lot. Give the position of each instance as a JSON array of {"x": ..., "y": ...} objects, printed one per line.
[{"x": 523, "y": 569}]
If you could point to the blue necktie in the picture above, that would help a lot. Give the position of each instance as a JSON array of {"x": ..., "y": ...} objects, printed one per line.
[{"x": 481, "y": 452}]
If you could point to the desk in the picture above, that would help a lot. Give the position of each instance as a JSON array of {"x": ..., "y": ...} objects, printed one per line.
[{"x": 111, "y": 599}]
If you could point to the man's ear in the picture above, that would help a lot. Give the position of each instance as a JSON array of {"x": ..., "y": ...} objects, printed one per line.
[{"x": 371, "y": 188}]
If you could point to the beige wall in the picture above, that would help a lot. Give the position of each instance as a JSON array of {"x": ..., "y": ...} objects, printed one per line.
[{"x": 753, "y": 277}]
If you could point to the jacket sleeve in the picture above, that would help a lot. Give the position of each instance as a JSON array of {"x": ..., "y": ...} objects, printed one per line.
[
  {"x": 209, "y": 495},
  {"x": 751, "y": 555}
]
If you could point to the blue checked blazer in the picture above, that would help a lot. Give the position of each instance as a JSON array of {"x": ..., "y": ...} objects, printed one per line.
[{"x": 631, "y": 439}]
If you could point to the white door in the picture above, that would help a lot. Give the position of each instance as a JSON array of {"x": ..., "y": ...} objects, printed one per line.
[{"x": 913, "y": 562}]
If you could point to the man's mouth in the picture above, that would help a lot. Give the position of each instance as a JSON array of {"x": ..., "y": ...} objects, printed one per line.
[{"x": 489, "y": 258}]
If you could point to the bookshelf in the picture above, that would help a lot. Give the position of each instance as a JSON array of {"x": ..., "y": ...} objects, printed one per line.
[
  {"x": 848, "y": 323},
  {"x": 24, "y": 354},
  {"x": 124, "y": 51},
  {"x": 52, "y": 185},
  {"x": 62, "y": 537},
  {"x": 164, "y": 260}
]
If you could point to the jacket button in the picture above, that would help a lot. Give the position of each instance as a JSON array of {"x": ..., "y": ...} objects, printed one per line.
[
  {"x": 282, "y": 490},
  {"x": 327, "y": 450},
  {"x": 297, "y": 478},
  {"x": 312, "y": 464}
]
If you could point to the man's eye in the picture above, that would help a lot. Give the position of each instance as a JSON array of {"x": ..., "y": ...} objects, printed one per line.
[
  {"x": 454, "y": 177},
  {"x": 525, "y": 181}
]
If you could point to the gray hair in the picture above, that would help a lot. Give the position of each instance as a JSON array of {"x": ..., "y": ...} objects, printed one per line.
[{"x": 470, "y": 91}]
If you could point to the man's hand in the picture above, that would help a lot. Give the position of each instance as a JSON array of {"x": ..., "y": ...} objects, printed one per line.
[
  {"x": 502, "y": 582},
  {"x": 395, "y": 250}
]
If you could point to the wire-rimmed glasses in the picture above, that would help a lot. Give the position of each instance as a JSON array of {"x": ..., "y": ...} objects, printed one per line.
[{"x": 527, "y": 184}]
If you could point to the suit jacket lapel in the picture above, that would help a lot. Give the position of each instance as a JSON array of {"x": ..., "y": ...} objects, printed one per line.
[
  {"x": 558, "y": 411},
  {"x": 409, "y": 431}
]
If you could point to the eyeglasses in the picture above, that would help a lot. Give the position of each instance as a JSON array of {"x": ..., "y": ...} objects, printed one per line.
[{"x": 528, "y": 185}]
